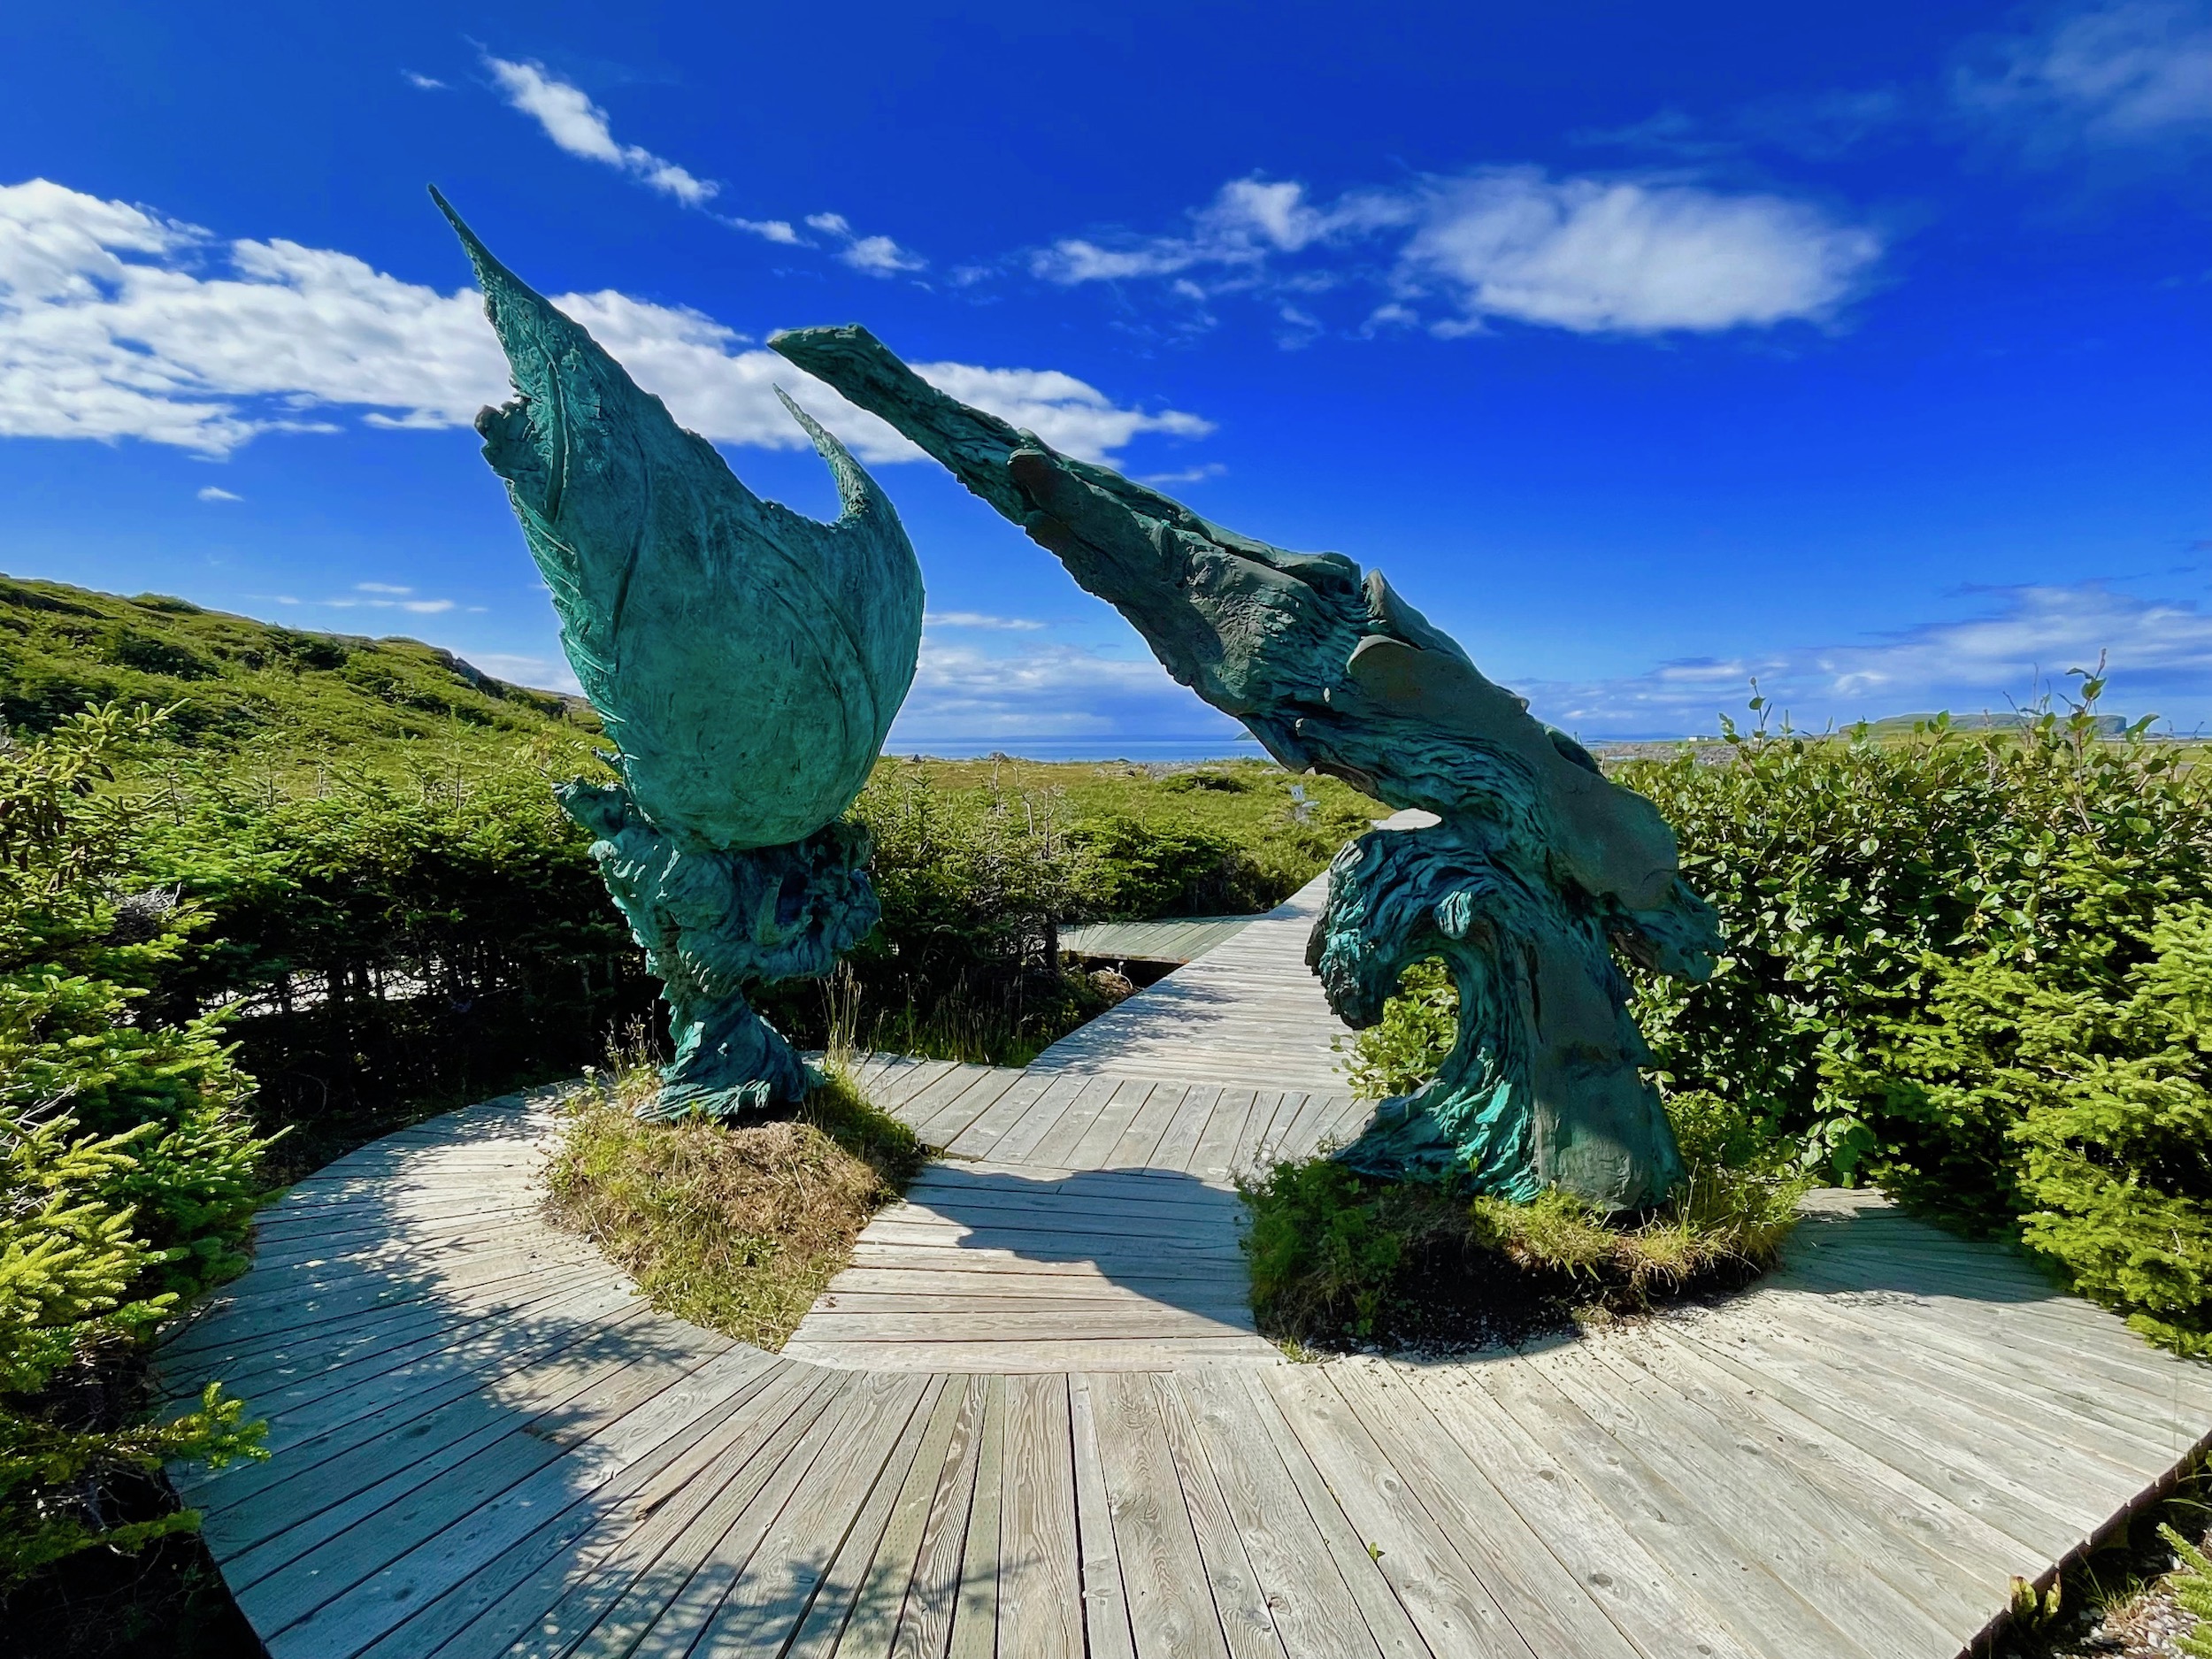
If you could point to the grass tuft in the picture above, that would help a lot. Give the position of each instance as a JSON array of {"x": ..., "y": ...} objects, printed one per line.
[
  {"x": 735, "y": 1227},
  {"x": 1340, "y": 1259}
]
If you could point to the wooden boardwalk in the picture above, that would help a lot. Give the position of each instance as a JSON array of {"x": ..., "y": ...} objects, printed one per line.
[
  {"x": 1175, "y": 939},
  {"x": 484, "y": 1444}
]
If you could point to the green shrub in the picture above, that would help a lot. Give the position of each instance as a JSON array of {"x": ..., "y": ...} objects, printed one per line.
[
  {"x": 1849, "y": 871},
  {"x": 129, "y": 1174},
  {"x": 1399, "y": 1053}
]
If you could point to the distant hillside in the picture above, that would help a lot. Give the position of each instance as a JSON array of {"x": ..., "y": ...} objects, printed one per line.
[
  {"x": 2011, "y": 720},
  {"x": 237, "y": 680}
]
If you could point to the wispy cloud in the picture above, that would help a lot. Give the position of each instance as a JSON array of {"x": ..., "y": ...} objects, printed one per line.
[
  {"x": 580, "y": 127},
  {"x": 1634, "y": 255},
  {"x": 375, "y": 596},
  {"x": 422, "y": 83},
  {"x": 2022, "y": 640},
  {"x": 964, "y": 695},
  {"x": 878, "y": 256},
  {"x": 1185, "y": 475},
  {"x": 978, "y": 619},
  {"x": 117, "y": 322},
  {"x": 2134, "y": 72},
  {"x": 215, "y": 493}
]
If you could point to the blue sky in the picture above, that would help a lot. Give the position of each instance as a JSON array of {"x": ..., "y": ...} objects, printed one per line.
[{"x": 1858, "y": 349}]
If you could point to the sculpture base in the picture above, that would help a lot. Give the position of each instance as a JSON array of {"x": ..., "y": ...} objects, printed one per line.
[
  {"x": 716, "y": 924},
  {"x": 1544, "y": 1086}
]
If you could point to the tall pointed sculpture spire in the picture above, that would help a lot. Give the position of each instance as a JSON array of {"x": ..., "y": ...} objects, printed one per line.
[{"x": 747, "y": 661}]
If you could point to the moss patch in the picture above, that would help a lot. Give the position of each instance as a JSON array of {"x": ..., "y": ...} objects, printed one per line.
[{"x": 734, "y": 1227}]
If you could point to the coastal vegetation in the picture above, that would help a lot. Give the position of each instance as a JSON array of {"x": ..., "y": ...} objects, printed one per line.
[{"x": 266, "y": 894}]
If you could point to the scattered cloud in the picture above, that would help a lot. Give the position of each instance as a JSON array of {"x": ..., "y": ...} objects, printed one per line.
[
  {"x": 117, "y": 322},
  {"x": 978, "y": 619},
  {"x": 1620, "y": 257},
  {"x": 776, "y": 230},
  {"x": 423, "y": 83},
  {"x": 375, "y": 596},
  {"x": 878, "y": 256},
  {"x": 580, "y": 127},
  {"x": 1592, "y": 255},
  {"x": 2023, "y": 641},
  {"x": 2132, "y": 73},
  {"x": 213, "y": 492},
  {"x": 1818, "y": 126},
  {"x": 966, "y": 698},
  {"x": 1187, "y": 475}
]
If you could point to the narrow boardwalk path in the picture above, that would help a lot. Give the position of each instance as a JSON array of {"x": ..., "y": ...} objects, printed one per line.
[{"x": 1033, "y": 1419}]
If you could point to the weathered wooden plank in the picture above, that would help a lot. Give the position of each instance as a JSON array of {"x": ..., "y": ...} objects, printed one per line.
[
  {"x": 926, "y": 1622},
  {"x": 980, "y": 1138},
  {"x": 847, "y": 1573},
  {"x": 1241, "y": 1604},
  {"x": 1702, "y": 1553},
  {"x": 666, "y": 1603},
  {"x": 539, "y": 1594},
  {"x": 1161, "y": 1571},
  {"x": 1312, "y": 1612},
  {"x": 1179, "y": 1143},
  {"x": 1072, "y": 1355},
  {"x": 1550, "y": 1608},
  {"x": 1388, "y": 1623},
  {"x": 872, "y": 1620},
  {"x": 1039, "y": 1598},
  {"x": 1105, "y": 1598},
  {"x": 1854, "y": 1567},
  {"x": 1452, "y": 1607},
  {"x": 1661, "y": 1618},
  {"x": 948, "y": 1124},
  {"x": 1141, "y": 1138},
  {"x": 395, "y": 1587},
  {"x": 976, "y": 1606}
]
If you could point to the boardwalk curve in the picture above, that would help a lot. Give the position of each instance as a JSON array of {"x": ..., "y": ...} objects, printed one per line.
[{"x": 1032, "y": 1418}]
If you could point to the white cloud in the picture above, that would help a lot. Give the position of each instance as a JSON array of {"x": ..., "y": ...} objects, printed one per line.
[
  {"x": 2129, "y": 73},
  {"x": 116, "y": 322},
  {"x": 213, "y": 492},
  {"x": 777, "y": 230},
  {"x": 878, "y": 256},
  {"x": 381, "y": 588},
  {"x": 1592, "y": 255},
  {"x": 580, "y": 127},
  {"x": 978, "y": 619},
  {"x": 1197, "y": 474},
  {"x": 1247, "y": 220},
  {"x": 1620, "y": 257},
  {"x": 1069, "y": 414},
  {"x": 422, "y": 83},
  {"x": 2022, "y": 643},
  {"x": 963, "y": 697}
]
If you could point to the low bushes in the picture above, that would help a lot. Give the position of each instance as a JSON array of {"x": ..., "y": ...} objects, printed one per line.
[
  {"x": 1975, "y": 968},
  {"x": 734, "y": 1227}
]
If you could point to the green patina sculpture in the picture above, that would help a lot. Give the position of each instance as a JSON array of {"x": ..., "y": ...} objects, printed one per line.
[
  {"x": 1538, "y": 869},
  {"x": 747, "y": 661}
]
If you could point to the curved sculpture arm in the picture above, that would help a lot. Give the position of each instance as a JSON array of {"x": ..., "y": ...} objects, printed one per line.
[{"x": 1540, "y": 863}]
